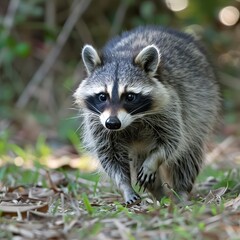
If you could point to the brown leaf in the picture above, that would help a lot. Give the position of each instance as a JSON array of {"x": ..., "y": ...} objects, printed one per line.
[
  {"x": 21, "y": 190},
  {"x": 57, "y": 178},
  {"x": 10, "y": 196},
  {"x": 54, "y": 179},
  {"x": 37, "y": 216}
]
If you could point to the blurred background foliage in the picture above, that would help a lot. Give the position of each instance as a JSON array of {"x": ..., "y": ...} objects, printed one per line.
[{"x": 41, "y": 41}]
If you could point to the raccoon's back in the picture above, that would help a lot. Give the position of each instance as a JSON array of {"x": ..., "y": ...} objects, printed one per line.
[
  {"x": 131, "y": 42},
  {"x": 181, "y": 55}
]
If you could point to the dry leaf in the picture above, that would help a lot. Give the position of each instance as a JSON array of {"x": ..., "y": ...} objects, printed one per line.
[
  {"x": 214, "y": 196},
  {"x": 233, "y": 203},
  {"x": 57, "y": 178},
  {"x": 10, "y": 196},
  {"x": 40, "y": 193}
]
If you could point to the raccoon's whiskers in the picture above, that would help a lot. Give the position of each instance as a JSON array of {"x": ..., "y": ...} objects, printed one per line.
[
  {"x": 89, "y": 113},
  {"x": 75, "y": 117},
  {"x": 94, "y": 107},
  {"x": 78, "y": 128},
  {"x": 150, "y": 124},
  {"x": 136, "y": 109},
  {"x": 72, "y": 108},
  {"x": 79, "y": 115}
]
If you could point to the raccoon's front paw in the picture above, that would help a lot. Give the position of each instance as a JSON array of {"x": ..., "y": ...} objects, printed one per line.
[
  {"x": 133, "y": 199},
  {"x": 145, "y": 177}
]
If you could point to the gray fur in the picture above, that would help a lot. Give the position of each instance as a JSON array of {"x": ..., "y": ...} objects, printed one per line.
[{"x": 164, "y": 144}]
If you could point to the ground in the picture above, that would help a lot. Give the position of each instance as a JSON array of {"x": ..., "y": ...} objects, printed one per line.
[{"x": 53, "y": 194}]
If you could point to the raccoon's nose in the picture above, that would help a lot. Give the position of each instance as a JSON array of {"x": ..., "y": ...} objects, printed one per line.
[{"x": 113, "y": 123}]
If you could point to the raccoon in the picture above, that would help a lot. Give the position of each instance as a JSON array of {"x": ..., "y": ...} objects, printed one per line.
[{"x": 149, "y": 102}]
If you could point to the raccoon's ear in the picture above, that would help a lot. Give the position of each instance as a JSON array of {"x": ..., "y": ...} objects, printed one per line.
[
  {"x": 90, "y": 58},
  {"x": 149, "y": 59}
]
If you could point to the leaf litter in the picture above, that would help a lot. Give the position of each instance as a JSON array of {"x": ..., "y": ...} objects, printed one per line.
[{"x": 67, "y": 204}]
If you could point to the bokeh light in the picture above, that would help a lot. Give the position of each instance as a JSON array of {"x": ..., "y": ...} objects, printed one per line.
[
  {"x": 229, "y": 15},
  {"x": 18, "y": 161},
  {"x": 176, "y": 5}
]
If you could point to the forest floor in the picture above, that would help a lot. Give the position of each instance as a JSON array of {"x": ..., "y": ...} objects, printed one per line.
[{"x": 53, "y": 194}]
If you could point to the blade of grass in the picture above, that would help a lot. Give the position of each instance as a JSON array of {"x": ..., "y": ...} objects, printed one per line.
[{"x": 87, "y": 204}]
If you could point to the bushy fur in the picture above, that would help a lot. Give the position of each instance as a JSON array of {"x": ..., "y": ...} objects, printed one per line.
[{"x": 162, "y": 144}]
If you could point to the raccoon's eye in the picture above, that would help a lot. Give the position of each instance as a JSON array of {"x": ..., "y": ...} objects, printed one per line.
[
  {"x": 130, "y": 97},
  {"x": 102, "y": 97}
]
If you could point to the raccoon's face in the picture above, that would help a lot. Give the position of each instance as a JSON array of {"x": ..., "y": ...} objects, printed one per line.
[{"x": 121, "y": 90}]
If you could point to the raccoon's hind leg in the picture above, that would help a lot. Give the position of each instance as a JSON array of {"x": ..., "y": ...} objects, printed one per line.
[{"x": 183, "y": 172}]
